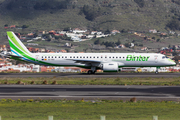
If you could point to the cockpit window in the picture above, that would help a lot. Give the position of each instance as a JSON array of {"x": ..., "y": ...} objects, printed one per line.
[{"x": 163, "y": 57}]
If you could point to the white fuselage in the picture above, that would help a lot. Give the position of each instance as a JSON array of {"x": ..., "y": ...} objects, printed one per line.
[{"x": 123, "y": 59}]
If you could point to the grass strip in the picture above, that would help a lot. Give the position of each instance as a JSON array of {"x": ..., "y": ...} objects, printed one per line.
[
  {"x": 87, "y": 110},
  {"x": 93, "y": 81}
]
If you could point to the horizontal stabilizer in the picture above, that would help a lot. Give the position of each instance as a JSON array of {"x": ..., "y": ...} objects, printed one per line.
[{"x": 8, "y": 55}]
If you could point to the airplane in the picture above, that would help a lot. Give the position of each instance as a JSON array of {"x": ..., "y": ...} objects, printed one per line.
[{"x": 108, "y": 62}]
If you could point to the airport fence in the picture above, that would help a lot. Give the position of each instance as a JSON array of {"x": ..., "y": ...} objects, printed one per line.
[{"x": 101, "y": 117}]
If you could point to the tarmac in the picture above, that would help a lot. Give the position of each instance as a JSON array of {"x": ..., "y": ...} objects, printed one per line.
[{"x": 85, "y": 75}]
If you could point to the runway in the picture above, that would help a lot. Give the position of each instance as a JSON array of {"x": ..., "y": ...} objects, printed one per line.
[
  {"x": 85, "y": 75},
  {"x": 90, "y": 92}
]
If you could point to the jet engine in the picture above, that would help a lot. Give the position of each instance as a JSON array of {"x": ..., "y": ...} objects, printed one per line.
[{"x": 110, "y": 67}]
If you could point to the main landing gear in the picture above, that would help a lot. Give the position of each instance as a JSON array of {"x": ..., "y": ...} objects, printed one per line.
[{"x": 92, "y": 71}]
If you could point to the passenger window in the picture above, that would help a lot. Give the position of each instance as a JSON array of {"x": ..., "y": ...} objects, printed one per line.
[
  {"x": 80, "y": 57},
  {"x": 87, "y": 57},
  {"x": 109, "y": 57},
  {"x": 66, "y": 57},
  {"x": 77, "y": 56},
  {"x": 74, "y": 56},
  {"x": 94, "y": 57},
  {"x": 62, "y": 57},
  {"x": 42, "y": 56},
  {"x": 70, "y": 57},
  {"x": 116, "y": 57},
  {"x": 45, "y": 56},
  {"x": 55, "y": 56},
  {"x": 119, "y": 57},
  {"x": 83, "y": 57},
  {"x": 49, "y": 57},
  {"x": 90, "y": 57}
]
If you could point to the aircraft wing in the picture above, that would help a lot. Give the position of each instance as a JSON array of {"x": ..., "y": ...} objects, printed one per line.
[{"x": 85, "y": 61}]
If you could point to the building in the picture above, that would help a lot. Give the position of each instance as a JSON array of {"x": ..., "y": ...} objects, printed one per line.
[
  {"x": 153, "y": 31},
  {"x": 115, "y": 32},
  {"x": 77, "y": 30}
]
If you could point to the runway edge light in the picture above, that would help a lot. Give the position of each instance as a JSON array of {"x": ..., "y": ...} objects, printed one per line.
[
  {"x": 155, "y": 117},
  {"x": 50, "y": 117},
  {"x": 102, "y": 117}
]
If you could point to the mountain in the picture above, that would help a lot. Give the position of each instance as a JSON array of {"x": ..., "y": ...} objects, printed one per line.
[{"x": 139, "y": 15}]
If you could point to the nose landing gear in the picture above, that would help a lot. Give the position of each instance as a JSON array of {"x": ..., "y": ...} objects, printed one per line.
[{"x": 157, "y": 70}]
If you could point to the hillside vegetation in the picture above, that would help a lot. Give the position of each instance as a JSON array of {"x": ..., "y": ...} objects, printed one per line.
[{"x": 138, "y": 15}]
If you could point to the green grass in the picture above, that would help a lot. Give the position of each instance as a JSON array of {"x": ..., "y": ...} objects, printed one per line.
[
  {"x": 94, "y": 81},
  {"x": 88, "y": 110}
]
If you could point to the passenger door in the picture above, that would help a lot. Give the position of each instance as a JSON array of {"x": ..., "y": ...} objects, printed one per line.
[{"x": 156, "y": 58}]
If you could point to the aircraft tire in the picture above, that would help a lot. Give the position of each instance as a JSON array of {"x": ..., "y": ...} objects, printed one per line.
[{"x": 90, "y": 72}]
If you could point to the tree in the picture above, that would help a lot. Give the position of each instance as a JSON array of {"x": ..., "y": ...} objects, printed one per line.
[
  {"x": 66, "y": 29},
  {"x": 169, "y": 46},
  {"x": 157, "y": 40},
  {"x": 140, "y": 3},
  {"x": 44, "y": 6},
  {"x": 127, "y": 44},
  {"x": 97, "y": 42},
  {"x": 6, "y": 25},
  {"x": 35, "y": 34},
  {"x": 176, "y": 58},
  {"x": 25, "y": 26},
  {"x": 107, "y": 32},
  {"x": 57, "y": 37},
  {"x": 174, "y": 53},
  {"x": 141, "y": 45},
  {"x": 123, "y": 31},
  {"x": 176, "y": 1},
  {"x": 90, "y": 12},
  {"x": 118, "y": 42},
  {"x": 10, "y": 5},
  {"x": 153, "y": 38},
  {"x": 173, "y": 24}
]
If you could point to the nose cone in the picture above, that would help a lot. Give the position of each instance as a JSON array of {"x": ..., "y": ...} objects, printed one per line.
[{"x": 172, "y": 62}]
